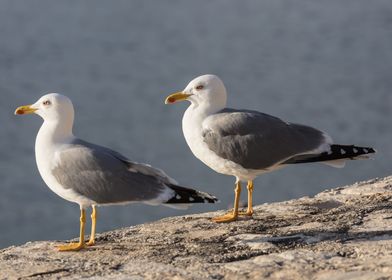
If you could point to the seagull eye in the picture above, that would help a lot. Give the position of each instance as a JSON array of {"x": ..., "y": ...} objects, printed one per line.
[
  {"x": 46, "y": 103},
  {"x": 199, "y": 87}
]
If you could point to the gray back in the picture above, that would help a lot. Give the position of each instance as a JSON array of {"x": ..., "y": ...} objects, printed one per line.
[
  {"x": 106, "y": 176},
  {"x": 256, "y": 140}
]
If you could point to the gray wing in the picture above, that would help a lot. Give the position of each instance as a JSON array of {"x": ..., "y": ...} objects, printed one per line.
[
  {"x": 257, "y": 141},
  {"x": 106, "y": 176}
]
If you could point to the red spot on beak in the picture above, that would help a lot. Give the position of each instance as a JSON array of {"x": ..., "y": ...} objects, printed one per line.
[
  {"x": 171, "y": 99},
  {"x": 19, "y": 112}
]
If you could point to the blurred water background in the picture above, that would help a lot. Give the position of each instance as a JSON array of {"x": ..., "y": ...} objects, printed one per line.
[{"x": 321, "y": 63}]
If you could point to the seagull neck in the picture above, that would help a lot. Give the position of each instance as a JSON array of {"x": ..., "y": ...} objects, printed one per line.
[
  {"x": 195, "y": 115},
  {"x": 204, "y": 110},
  {"x": 55, "y": 131}
]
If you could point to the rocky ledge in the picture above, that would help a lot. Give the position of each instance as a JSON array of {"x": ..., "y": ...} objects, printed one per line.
[{"x": 344, "y": 233}]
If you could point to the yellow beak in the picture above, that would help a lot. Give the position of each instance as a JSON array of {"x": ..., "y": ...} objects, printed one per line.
[
  {"x": 27, "y": 109},
  {"x": 176, "y": 97}
]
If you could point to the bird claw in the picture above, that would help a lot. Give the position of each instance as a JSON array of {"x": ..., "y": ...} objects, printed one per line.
[
  {"x": 71, "y": 247},
  {"x": 246, "y": 213},
  {"x": 229, "y": 217}
]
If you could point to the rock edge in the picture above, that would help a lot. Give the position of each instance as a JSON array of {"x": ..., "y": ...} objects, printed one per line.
[{"x": 343, "y": 233}]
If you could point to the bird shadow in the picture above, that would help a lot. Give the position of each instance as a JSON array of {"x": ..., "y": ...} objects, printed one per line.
[{"x": 312, "y": 238}]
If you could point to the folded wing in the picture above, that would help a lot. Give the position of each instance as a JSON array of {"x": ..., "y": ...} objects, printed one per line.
[
  {"x": 106, "y": 177},
  {"x": 258, "y": 141}
]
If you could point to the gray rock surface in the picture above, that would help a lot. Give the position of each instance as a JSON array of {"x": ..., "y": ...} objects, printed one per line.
[{"x": 344, "y": 233}]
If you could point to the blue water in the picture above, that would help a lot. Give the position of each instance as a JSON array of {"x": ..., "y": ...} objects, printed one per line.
[{"x": 322, "y": 63}]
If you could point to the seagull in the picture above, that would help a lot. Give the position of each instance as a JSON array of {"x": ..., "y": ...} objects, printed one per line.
[
  {"x": 246, "y": 143},
  {"x": 92, "y": 175}
]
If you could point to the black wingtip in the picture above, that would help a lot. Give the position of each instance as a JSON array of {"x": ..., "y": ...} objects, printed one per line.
[
  {"x": 337, "y": 152},
  {"x": 185, "y": 196}
]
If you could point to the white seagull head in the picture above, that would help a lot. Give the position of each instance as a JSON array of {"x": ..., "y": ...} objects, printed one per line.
[
  {"x": 51, "y": 107},
  {"x": 206, "y": 91}
]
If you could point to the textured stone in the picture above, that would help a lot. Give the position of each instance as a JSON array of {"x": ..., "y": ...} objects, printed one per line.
[{"x": 344, "y": 233}]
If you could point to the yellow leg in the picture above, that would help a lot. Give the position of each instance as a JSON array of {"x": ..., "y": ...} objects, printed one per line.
[
  {"x": 93, "y": 225},
  {"x": 80, "y": 244},
  {"x": 234, "y": 215},
  {"x": 249, "y": 211}
]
